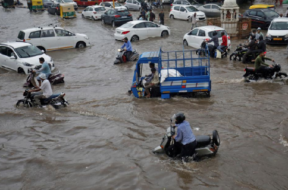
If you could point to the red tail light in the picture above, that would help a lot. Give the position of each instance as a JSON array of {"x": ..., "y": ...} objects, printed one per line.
[
  {"x": 245, "y": 69},
  {"x": 125, "y": 32},
  {"x": 95, "y": 12},
  {"x": 228, "y": 37},
  {"x": 24, "y": 40},
  {"x": 117, "y": 16},
  {"x": 129, "y": 15}
]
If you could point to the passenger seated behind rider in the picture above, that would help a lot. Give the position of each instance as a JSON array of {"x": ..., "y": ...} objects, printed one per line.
[
  {"x": 260, "y": 65},
  {"x": 154, "y": 80},
  {"x": 215, "y": 40},
  {"x": 45, "y": 87},
  {"x": 224, "y": 43},
  {"x": 185, "y": 136},
  {"x": 252, "y": 49},
  {"x": 45, "y": 69},
  {"x": 127, "y": 48}
]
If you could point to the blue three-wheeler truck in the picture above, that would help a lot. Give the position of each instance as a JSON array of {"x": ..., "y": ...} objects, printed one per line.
[{"x": 180, "y": 72}]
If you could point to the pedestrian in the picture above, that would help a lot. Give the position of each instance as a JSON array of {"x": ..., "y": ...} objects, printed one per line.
[
  {"x": 251, "y": 35},
  {"x": 152, "y": 16},
  {"x": 147, "y": 15},
  {"x": 161, "y": 17},
  {"x": 143, "y": 14},
  {"x": 194, "y": 21},
  {"x": 280, "y": 16},
  {"x": 281, "y": 1}
]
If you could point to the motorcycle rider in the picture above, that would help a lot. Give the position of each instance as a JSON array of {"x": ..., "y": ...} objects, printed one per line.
[
  {"x": 45, "y": 87},
  {"x": 185, "y": 136},
  {"x": 45, "y": 69},
  {"x": 260, "y": 65},
  {"x": 252, "y": 47},
  {"x": 224, "y": 43},
  {"x": 261, "y": 45},
  {"x": 127, "y": 48},
  {"x": 215, "y": 40}
]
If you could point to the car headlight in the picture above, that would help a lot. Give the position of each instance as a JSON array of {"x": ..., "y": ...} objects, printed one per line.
[
  {"x": 86, "y": 37},
  {"x": 27, "y": 64},
  {"x": 268, "y": 35}
]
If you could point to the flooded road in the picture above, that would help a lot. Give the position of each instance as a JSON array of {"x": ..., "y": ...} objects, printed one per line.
[{"x": 103, "y": 140}]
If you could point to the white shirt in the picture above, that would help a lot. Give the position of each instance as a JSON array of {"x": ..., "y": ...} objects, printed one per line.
[{"x": 46, "y": 88}]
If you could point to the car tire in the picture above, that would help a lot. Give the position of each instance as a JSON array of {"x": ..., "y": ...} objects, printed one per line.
[
  {"x": 164, "y": 33},
  {"x": 93, "y": 18},
  {"x": 20, "y": 70},
  {"x": 134, "y": 38},
  {"x": 82, "y": 15},
  {"x": 41, "y": 48},
  {"x": 172, "y": 16},
  {"x": 113, "y": 24},
  {"x": 185, "y": 43},
  {"x": 216, "y": 138},
  {"x": 103, "y": 21},
  {"x": 80, "y": 45}
]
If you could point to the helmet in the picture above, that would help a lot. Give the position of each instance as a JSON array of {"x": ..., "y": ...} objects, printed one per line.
[
  {"x": 179, "y": 117},
  {"x": 42, "y": 76}
]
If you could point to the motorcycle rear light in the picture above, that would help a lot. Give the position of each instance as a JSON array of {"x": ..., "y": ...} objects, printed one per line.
[
  {"x": 125, "y": 32},
  {"x": 134, "y": 86},
  {"x": 162, "y": 146},
  {"x": 95, "y": 12},
  {"x": 212, "y": 149},
  {"x": 117, "y": 16},
  {"x": 244, "y": 69}
]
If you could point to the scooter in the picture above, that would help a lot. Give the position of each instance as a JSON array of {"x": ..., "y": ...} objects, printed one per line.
[
  {"x": 271, "y": 73},
  {"x": 121, "y": 58},
  {"x": 206, "y": 146},
  {"x": 239, "y": 52},
  {"x": 56, "y": 100},
  {"x": 53, "y": 78}
]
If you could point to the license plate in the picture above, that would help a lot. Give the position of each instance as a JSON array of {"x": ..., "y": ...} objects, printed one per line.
[
  {"x": 124, "y": 16},
  {"x": 277, "y": 38}
]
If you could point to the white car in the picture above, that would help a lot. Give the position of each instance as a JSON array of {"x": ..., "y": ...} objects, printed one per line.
[
  {"x": 93, "y": 12},
  {"x": 278, "y": 31},
  {"x": 109, "y": 5},
  {"x": 21, "y": 56},
  {"x": 53, "y": 38},
  {"x": 133, "y": 5},
  {"x": 195, "y": 37},
  {"x": 140, "y": 29},
  {"x": 184, "y": 12}
]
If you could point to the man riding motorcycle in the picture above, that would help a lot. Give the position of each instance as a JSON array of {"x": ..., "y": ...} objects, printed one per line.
[
  {"x": 215, "y": 40},
  {"x": 260, "y": 65},
  {"x": 45, "y": 69},
  {"x": 45, "y": 87},
  {"x": 127, "y": 48},
  {"x": 252, "y": 47},
  {"x": 185, "y": 136}
]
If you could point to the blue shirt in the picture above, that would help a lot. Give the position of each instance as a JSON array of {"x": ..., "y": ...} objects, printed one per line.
[
  {"x": 44, "y": 69},
  {"x": 127, "y": 45},
  {"x": 184, "y": 133}
]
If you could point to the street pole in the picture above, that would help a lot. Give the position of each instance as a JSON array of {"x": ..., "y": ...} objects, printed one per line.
[{"x": 113, "y": 4}]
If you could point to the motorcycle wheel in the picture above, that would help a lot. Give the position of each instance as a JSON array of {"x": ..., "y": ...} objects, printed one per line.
[
  {"x": 216, "y": 137},
  {"x": 23, "y": 103},
  {"x": 233, "y": 56}
]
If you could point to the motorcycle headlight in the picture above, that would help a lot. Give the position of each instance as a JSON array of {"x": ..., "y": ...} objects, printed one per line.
[{"x": 27, "y": 64}]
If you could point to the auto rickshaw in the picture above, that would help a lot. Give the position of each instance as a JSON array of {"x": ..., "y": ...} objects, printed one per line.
[
  {"x": 67, "y": 11},
  {"x": 7, "y": 4},
  {"x": 262, "y": 6},
  {"x": 37, "y": 5}
]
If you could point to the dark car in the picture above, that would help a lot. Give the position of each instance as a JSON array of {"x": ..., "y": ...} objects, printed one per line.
[
  {"x": 47, "y": 3},
  {"x": 54, "y": 9},
  {"x": 116, "y": 17},
  {"x": 260, "y": 17}
]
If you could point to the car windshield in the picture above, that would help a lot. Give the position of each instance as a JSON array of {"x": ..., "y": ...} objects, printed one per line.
[
  {"x": 28, "y": 51},
  {"x": 127, "y": 25},
  {"x": 279, "y": 26},
  {"x": 210, "y": 34},
  {"x": 191, "y": 9},
  {"x": 271, "y": 14},
  {"x": 21, "y": 35},
  {"x": 100, "y": 9},
  {"x": 117, "y": 4}
]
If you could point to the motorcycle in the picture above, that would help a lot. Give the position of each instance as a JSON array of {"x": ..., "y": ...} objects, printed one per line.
[
  {"x": 206, "y": 146},
  {"x": 211, "y": 50},
  {"x": 53, "y": 78},
  {"x": 121, "y": 58},
  {"x": 156, "y": 4},
  {"x": 55, "y": 100},
  {"x": 271, "y": 73},
  {"x": 239, "y": 52}
]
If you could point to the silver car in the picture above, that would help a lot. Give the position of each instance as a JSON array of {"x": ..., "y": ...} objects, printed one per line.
[
  {"x": 132, "y": 5},
  {"x": 210, "y": 10}
]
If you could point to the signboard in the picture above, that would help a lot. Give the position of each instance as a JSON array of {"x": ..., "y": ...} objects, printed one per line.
[{"x": 244, "y": 26}]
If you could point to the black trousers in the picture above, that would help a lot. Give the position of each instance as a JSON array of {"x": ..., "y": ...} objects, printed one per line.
[
  {"x": 128, "y": 54},
  {"x": 162, "y": 21},
  {"x": 248, "y": 53},
  {"x": 188, "y": 149}
]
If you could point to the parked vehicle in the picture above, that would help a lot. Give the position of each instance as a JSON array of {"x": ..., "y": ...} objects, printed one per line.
[
  {"x": 93, "y": 12},
  {"x": 67, "y": 11},
  {"x": 278, "y": 31},
  {"x": 54, "y": 9},
  {"x": 260, "y": 17},
  {"x": 116, "y": 17},
  {"x": 133, "y": 5},
  {"x": 47, "y": 3},
  {"x": 195, "y": 37},
  {"x": 207, "y": 146},
  {"x": 184, "y": 12},
  {"x": 140, "y": 29},
  {"x": 109, "y": 5},
  {"x": 210, "y": 10},
  {"x": 180, "y": 2},
  {"x": 56, "y": 100},
  {"x": 180, "y": 73},
  {"x": 20, "y": 56},
  {"x": 67, "y": 2},
  {"x": 52, "y": 38},
  {"x": 262, "y": 6},
  {"x": 7, "y": 4},
  {"x": 84, "y": 3},
  {"x": 121, "y": 58}
]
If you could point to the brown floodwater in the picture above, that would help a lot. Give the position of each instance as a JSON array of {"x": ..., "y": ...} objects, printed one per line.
[{"x": 104, "y": 139}]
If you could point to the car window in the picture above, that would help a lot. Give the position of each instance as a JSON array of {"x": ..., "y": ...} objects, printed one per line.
[
  {"x": 87, "y": 8},
  {"x": 60, "y": 32},
  {"x": 182, "y": 9},
  {"x": 177, "y": 8},
  {"x": 21, "y": 35},
  {"x": 108, "y": 5},
  {"x": 47, "y": 33},
  {"x": 28, "y": 51},
  {"x": 206, "y": 6},
  {"x": 129, "y": 1},
  {"x": 100, "y": 9},
  {"x": 90, "y": 9},
  {"x": 191, "y": 9},
  {"x": 135, "y": 2},
  {"x": 10, "y": 52},
  {"x": 140, "y": 25},
  {"x": 252, "y": 13},
  {"x": 185, "y": 3},
  {"x": 215, "y": 7},
  {"x": 260, "y": 14},
  {"x": 210, "y": 34},
  {"x": 201, "y": 33},
  {"x": 3, "y": 50},
  {"x": 194, "y": 32},
  {"x": 35, "y": 34},
  {"x": 109, "y": 12},
  {"x": 271, "y": 14},
  {"x": 150, "y": 24}
]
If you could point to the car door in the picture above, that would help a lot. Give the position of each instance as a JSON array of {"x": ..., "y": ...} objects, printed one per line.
[
  {"x": 90, "y": 12},
  {"x": 201, "y": 36},
  {"x": 206, "y": 9},
  {"x": 128, "y": 4},
  {"x": 261, "y": 19},
  {"x": 176, "y": 12},
  {"x": 191, "y": 38},
  {"x": 152, "y": 29},
  {"x": 135, "y": 5},
  {"x": 3, "y": 56},
  {"x": 66, "y": 38},
  {"x": 35, "y": 38},
  {"x": 85, "y": 12},
  {"x": 252, "y": 15},
  {"x": 140, "y": 30},
  {"x": 49, "y": 40},
  {"x": 215, "y": 11},
  {"x": 182, "y": 13},
  {"x": 8, "y": 58}
]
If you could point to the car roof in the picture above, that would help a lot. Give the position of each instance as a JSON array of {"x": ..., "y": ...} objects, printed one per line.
[
  {"x": 38, "y": 28},
  {"x": 16, "y": 44},
  {"x": 280, "y": 19},
  {"x": 210, "y": 28},
  {"x": 137, "y": 21},
  {"x": 95, "y": 6}
]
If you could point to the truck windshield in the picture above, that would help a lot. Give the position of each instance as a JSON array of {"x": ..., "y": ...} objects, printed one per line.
[
  {"x": 28, "y": 51},
  {"x": 279, "y": 26}
]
